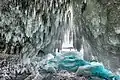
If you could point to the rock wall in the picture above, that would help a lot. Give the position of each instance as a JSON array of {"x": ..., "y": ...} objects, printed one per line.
[
  {"x": 30, "y": 27},
  {"x": 97, "y": 21}
]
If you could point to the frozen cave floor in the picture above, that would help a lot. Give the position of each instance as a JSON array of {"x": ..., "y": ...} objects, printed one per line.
[
  {"x": 11, "y": 70},
  {"x": 18, "y": 72}
]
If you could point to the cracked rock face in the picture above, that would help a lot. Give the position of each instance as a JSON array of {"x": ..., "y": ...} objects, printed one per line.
[{"x": 98, "y": 24}]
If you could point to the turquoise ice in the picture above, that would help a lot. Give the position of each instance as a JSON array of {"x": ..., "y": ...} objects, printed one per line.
[{"x": 72, "y": 62}]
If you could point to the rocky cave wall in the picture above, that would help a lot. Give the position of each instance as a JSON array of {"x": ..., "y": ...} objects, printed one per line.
[
  {"x": 30, "y": 27},
  {"x": 97, "y": 22}
]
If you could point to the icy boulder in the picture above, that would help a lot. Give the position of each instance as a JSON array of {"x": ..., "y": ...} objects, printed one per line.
[{"x": 71, "y": 62}]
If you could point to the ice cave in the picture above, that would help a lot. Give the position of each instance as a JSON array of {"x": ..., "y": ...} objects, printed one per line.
[{"x": 59, "y": 39}]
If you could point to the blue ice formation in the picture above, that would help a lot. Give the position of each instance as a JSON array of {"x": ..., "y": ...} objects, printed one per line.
[{"x": 72, "y": 62}]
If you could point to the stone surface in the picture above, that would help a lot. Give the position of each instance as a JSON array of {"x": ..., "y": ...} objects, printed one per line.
[
  {"x": 28, "y": 27},
  {"x": 37, "y": 27},
  {"x": 97, "y": 23}
]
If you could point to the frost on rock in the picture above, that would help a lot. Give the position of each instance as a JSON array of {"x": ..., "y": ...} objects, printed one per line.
[
  {"x": 62, "y": 66},
  {"x": 28, "y": 26},
  {"x": 30, "y": 29}
]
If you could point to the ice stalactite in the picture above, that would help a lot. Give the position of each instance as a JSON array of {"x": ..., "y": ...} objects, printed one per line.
[{"x": 33, "y": 25}]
